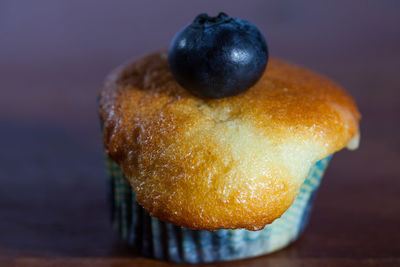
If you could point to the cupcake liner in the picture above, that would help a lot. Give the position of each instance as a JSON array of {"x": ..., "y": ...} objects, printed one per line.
[{"x": 154, "y": 238}]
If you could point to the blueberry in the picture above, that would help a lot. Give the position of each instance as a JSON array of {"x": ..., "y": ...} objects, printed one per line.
[{"x": 218, "y": 56}]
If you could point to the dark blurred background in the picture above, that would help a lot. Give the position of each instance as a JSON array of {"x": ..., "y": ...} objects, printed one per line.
[{"x": 54, "y": 56}]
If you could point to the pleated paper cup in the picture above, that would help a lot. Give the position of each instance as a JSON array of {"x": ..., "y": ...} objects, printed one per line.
[{"x": 154, "y": 238}]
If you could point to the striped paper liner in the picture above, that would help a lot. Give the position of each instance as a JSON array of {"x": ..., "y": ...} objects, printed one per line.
[{"x": 154, "y": 238}]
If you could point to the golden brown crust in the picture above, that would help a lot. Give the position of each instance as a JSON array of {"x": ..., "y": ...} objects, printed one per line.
[{"x": 229, "y": 163}]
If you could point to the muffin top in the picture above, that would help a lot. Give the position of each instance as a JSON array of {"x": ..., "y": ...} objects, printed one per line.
[{"x": 228, "y": 163}]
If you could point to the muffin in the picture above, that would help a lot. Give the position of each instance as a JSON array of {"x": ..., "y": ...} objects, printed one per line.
[{"x": 199, "y": 179}]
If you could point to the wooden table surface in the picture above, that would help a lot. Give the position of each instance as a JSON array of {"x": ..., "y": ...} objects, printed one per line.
[{"x": 53, "y": 57}]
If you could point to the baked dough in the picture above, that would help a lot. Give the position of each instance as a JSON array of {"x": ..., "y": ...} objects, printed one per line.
[{"x": 235, "y": 162}]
